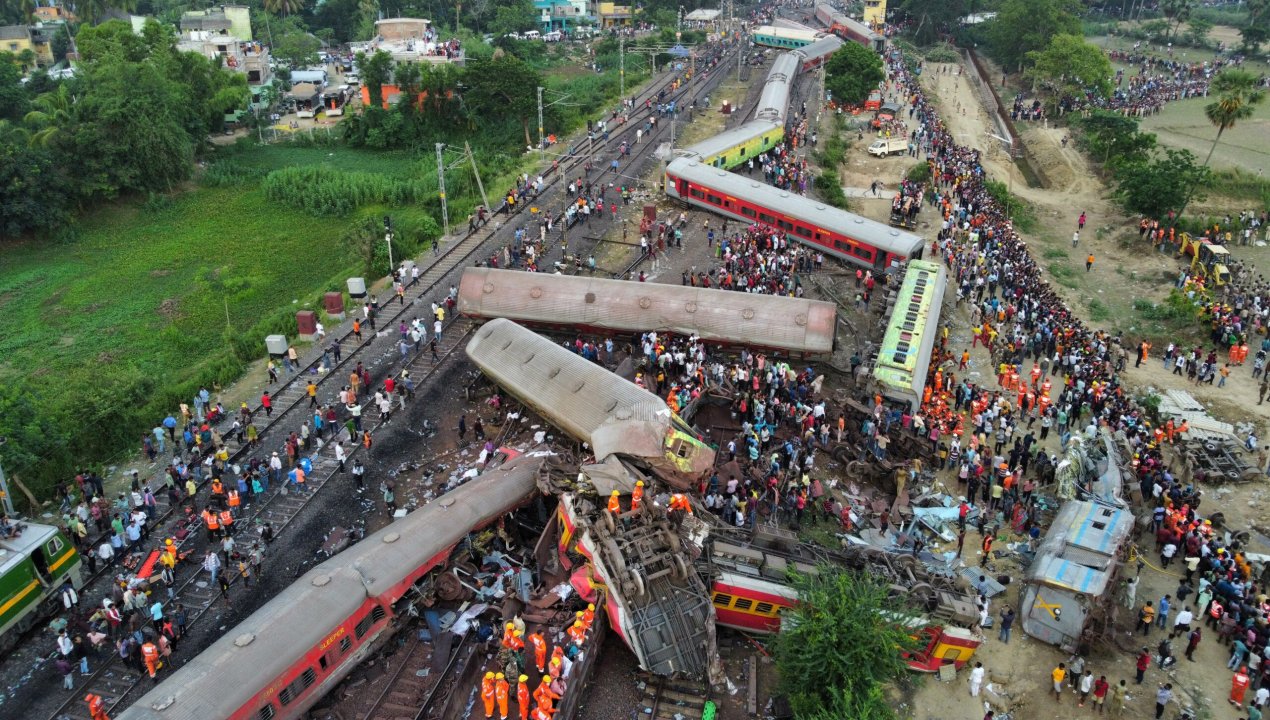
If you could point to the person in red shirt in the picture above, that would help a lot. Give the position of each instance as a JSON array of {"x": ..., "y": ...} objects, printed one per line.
[
  {"x": 1100, "y": 692},
  {"x": 1144, "y": 662}
]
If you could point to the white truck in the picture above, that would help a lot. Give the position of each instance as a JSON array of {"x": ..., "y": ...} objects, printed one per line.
[{"x": 888, "y": 146}]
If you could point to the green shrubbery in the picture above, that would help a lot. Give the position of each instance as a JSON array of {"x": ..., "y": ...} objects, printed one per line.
[{"x": 322, "y": 191}]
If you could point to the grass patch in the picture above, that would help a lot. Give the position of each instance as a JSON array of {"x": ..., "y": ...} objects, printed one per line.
[
  {"x": 1098, "y": 311},
  {"x": 1064, "y": 274},
  {"x": 1055, "y": 254}
]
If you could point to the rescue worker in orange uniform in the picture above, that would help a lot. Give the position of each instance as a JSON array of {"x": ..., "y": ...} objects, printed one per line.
[
  {"x": 509, "y": 632},
  {"x": 588, "y": 616},
  {"x": 226, "y": 521},
  {"x": 487, "y": 694},
  {"x": 168, "y": 557},
  {"x": 615, "y": 503},
  {"x": 96, "y": 707},
  {"x": 545, "y": 696},
  {"x": 501, "y": 689},
  {"x": 233, "y": 499},
  {"x": 679, "y": 506},
  {"x": 1239, "y": 686},
  {"x": 637, "y": 496},
  {"x": 150, "y": 654},
  {"x": 212, "y": 521},
  {"x": 540, "y": 651},
  {"x": 522, "y": 696},
  {"x": 577, "y": 634}
]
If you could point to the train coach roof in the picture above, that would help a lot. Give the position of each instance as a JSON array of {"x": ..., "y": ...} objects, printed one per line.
[
  {"x": 727, "y": 139},
  {"x": 796, "y": 325},
  {"x": 408, "y": 548},
  {"x": 803, "y": 208},
  {"x": 824, "y": 46},
  {"x": 583, "y": 399},
  {"x": 262, "y": 646},
  {"x": 15, "y": 550}
]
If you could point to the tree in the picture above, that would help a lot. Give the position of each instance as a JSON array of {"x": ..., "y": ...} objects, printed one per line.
[
  {"x": 1022, "y": 26},
  {"x": 284, "y": 7},
  {"x": 852, "y": 73},
  {"x": 1114, "y": 138},
  {"x": 513, "y": 16},
  {"x": 297, "y": 49},
  {"x": 14, "y": 101},
  {"x": 1161, "y": 185},
  {"x": 503, "y": 85},
  {"x": 53, "y": 117},
  {"x": 375, "y": 71},
  {"x": 1257, "y": 30},
  {"x": 34, "y": 193},
  {"x": 1069, "y": 66},
  {"x": 932, "y": 17},
  {"x": 1197, "y": 31},
  {"x": 840, "y": 643},
  {"x": 1238, "y": 95},
  {"x": 1176, "y": 12}
]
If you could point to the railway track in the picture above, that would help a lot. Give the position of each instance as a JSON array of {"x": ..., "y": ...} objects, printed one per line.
[
  {"x": 667, "y": 699},
  {"x": 112, "y": 679}
]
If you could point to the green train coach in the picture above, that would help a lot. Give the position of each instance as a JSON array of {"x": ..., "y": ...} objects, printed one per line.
[{"x": 33, "y": 565}]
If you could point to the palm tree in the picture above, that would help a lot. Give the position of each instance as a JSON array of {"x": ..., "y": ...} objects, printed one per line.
[
  {"x": 284, "y": 7},
  {"x": 1237, "y": 98},
  {"x": 56, "y": 112}
]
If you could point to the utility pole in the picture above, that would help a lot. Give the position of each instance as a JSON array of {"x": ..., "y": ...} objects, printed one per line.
[
  {"x": 388, "y": 239},
  {"x": 480, "y": 185},
  {"x": 445, "y": 213},
  {"x": 621, "y": 61},
  {"x": 542, "y": 149},
  {"x": 4, "y": 489}
]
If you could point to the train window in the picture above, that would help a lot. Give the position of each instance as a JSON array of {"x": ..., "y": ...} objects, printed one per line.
[
  {"x": 696, "y": 193},
  {"x": 285, "y": 697},
  {"x": 345, "y": 644},
  {"x": 722, "y": 600},
  {"x": 322, "y": 662},
  {"x": 743, "y": 604},
  {"x": 714, "y": 199},
  {"x": 377, "y": 614},
  {"x": 803, "y": 231},
  {"x": 770, "y": 220},
  {"x": 266, "y": 713},
  {"x": 308, "y": 677},
  {"x": 863, "y": 252},
  {"x": 749, "y": 212},
  {"x": 785, "y": 224},
  {"x": 54, "y": 546},
  {"x": 765, "y": 609}
]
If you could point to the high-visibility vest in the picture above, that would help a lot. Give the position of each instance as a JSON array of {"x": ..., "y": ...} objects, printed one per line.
[
  {"x": 217, "y": 487},
  {"x": 209, "y": 517},
  {"x": 150, "y": 652},
  {"x": 226, "y": 518},
  {"x": 233, "y": 498}
]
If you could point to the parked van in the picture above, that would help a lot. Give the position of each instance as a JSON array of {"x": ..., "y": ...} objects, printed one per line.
[
  {"x": 533, "y": 35},
  {"x": 317, "y": 77},
  {"x": 553, "y": 36},
  {"x": 888, "y": 146}
]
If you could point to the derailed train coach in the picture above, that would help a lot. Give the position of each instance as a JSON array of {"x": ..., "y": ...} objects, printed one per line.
[
  {"x": 791, "y": 327},
  {"x": 287, "y": 655}
]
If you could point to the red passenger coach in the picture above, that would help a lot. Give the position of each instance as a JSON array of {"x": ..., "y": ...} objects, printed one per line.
[{"x": 839, "y": 233}]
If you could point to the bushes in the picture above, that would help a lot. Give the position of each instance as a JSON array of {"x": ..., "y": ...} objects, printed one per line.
[
  {"x": 226, "y": 173},
  {"x": 831, "y": 191},
  {"x": 323, "y": 192},
  {"x": 943, "y": 53},
  {"x": 1021, "y": 213},
  {"x": 919, "y": 173}
]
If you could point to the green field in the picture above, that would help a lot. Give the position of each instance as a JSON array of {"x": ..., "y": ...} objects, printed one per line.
[{"x": 1182, "y": 124}]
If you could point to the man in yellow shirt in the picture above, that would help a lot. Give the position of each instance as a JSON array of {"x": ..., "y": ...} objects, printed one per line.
[{"x": 1058, "y": 674}]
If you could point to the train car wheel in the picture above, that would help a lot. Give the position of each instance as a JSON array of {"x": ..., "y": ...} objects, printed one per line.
[
  {"x": 610, "y": 522},
  {"x": 636, "y": 582},
  {"x": 681, "y": 568}
]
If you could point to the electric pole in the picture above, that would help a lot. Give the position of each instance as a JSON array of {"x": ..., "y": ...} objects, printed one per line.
[
  {"x": 445, "y": 213},
  {"x": 542, "y": 149},
  {"x": 621, "y": 60},
  {"x": 479, "y": 185}
]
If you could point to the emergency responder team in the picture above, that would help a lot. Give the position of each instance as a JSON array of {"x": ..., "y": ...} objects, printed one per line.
[{"x": 553, "y": 670}]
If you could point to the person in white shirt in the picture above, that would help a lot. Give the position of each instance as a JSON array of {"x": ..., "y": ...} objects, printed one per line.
[
  {"x": 976, "y": 679},
  {"x": 1182, "y": 623}
]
